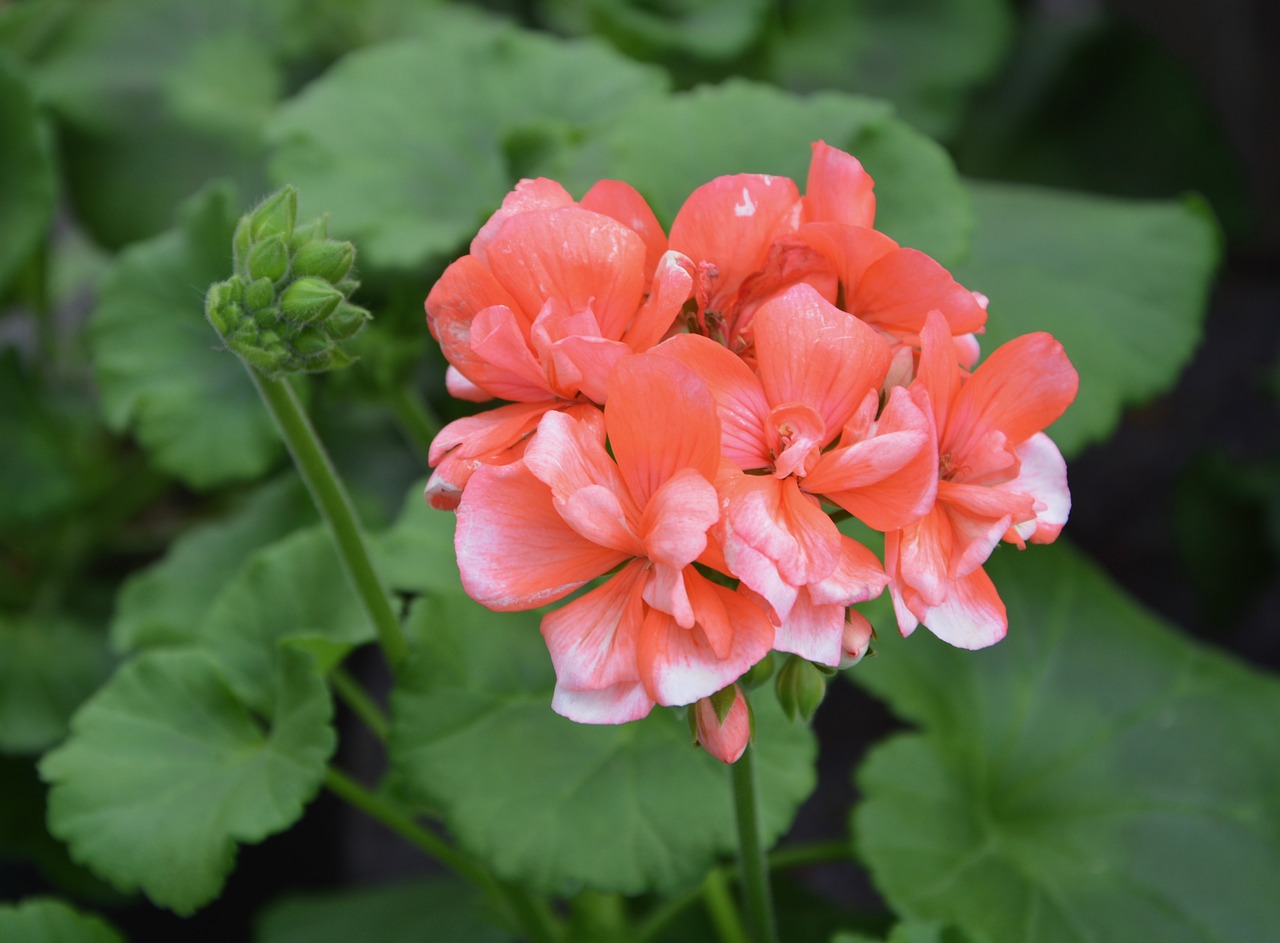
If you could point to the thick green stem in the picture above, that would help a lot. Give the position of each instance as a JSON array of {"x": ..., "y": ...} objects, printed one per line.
[
  {"x": 799, "y": 856},
  {"x": 335, "y": 505},
  {"x": 721, "y": 908},
  {"x": 532, "y": 915},
  {"x": 361, "y": 704},
  {"x": 751, "y": 857}
]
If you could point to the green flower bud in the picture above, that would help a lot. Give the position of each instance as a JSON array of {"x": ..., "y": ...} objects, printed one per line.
[
  {"x": 801, "y": 685},
  {"x": 346, "y": 320},
  {"x": 326, "y": 258},
  {"x": 310, "y": 341},
  {"x": 267, "y": 317},
  {"x": 759, "y": 673},
  {"x": 241, "y": 243},
  {"x": 310, "y": 232},
  {"x": 269, "y": 259},
  {"x": 275, "y": 215},
  {"x": 224, "y": 318},
  {"x": 259, "y": 294},
  {"x": 222, "y": 305},
  {"x": 309, "y": 300}
]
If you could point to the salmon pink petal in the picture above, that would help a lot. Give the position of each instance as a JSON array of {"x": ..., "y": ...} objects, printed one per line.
[
  {"x": 508, "y": 367},
  {"x": 808, "y": 351},
  {"x": 740, "y": 399},
  {"x": 528, "y": 195},
  {"x": 582, "y": 364},
  {"x": 489, "y": 431},
  {"x": 660, "y": 418},
  {"x": 1020, "y": 389},
  {"x": 759, "y": 578},
  {"x": 923, "y": 555},
  {"x": 596, "y": 514},
  {"x": 465, "y": 288},
  {"x": 460, "y": 387},
  {"x": 938, "y": 373},
  {"x": 972, "y": 616},
  {"x": 774, "y": 518},
  {"x": 1042, "y": 476},
  {"x": 679, "y": 666},
  {"x": 838, "y": 188},
  {"x": 812, "y": 630},
  {"x": 848, "y": 250},
  {"x": 579, "y": 258},
  {"x": 889, "y": 479},
  {"x": 568, "y": 454},
  {"x": 676, "y": 519},
  {"x": 857, "y": 577},
  {"x": 898, "y": 290},
  {"x": 622, "y": 202},
  {"x": 514, "y": 550},
  {"x": 672, "y": 286},
  {"x": 730, "y": 223},
  {"x": 899, "y": 590}
]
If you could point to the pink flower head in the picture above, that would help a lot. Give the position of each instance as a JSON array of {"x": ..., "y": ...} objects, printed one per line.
[
  {"x": 1000, "y": 477},
  {"x": 533, "y": 531},
  {"x": 553, "y": 294}
]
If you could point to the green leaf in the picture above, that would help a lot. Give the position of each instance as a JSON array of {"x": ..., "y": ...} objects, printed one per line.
[
  {"x": 47, "y": 668},
  {"x": 1094, "y": 776},
  {"x": 166, "y": 772},
  {"x": 165, "y": 603},
  {"x": 292, "y": 592},
  {"x": 27, "y": 179},
  {"x": 435, "y": 909},
  {"x": 417, "y": 555},
  {"x": 704, "y": 31},
  {"x": 410, "y": 145},
  {"x": 924, "y": 56},
  {"x": 157, "y": 362},
  {"x": 666, "y": 147},
  {"x": 911, "y": 932},
  {"x": 557, "y": 805},
  {"x": 47, "y": 920},
  {"x": 1123, "y": 284}
]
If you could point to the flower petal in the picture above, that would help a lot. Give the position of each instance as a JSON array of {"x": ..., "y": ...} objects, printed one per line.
[
  {"x": 527, "y": 196},
  {"x": 1042, "y": 476},
  {"x": 838, "y": 188},
  {"x": 899, "y": 289},
  {"x": 972, "y": 616},
  {"x": 622, "y": 202},
  {"x": 775, "y": 519}
]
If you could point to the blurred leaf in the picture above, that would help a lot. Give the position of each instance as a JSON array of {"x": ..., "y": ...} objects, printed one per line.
[
  {"x": 1093, "y": 776},
  {"x": 27, "y": 178},
  {"x": 911, "y": 932},
  {"x": 48, "y": 666},
  {"x": 924, "y": 56},
  {"x": 666, "y": 147},
  {"x": 434, "y": 909},
  {"x": 47, "y": 920},
  {"x": 1122, "y": 284},
  {"x": 558, "y": 805},
  {"x": 156, "y": 98},
  {"x": 166, "y": 772},
  {"x": 165, "y": 603},
  {"x": 417, "y": 555},
  {"x": 411, "y": 145},
  {"x": 157, "y": 362}
]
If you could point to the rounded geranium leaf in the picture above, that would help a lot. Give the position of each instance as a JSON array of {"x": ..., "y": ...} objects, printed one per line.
[
  {"x": 157, "y": 362},
  {"x": 558, "y": 805},
  {"x": 27, "y": 179},
  {"x": 165, "y": 772},
  {"x": 47, "y": 920},
  {"x": 1122, "y": 284},
  {"x": 1095, "y": 776}
]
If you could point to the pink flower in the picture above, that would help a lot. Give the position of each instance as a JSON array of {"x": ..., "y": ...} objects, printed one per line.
[
  {"x": 1000, "y": 477},
  {"x": 818, "y": 377},
  {"x": 533, "y": 531},
  {"x": 551, "y": 297}
]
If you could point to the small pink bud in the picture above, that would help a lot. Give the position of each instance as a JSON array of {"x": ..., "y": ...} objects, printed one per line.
[
  {"x": 723, "y": 731},
  {"x": 857, "y": 639}
]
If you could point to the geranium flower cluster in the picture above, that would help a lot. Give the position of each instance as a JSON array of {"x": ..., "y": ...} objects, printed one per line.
[{"x": 688, "y": 412}]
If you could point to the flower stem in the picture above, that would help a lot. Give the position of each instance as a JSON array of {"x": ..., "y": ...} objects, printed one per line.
[
  {"x": 361, "y": 704},
  {"x": 720, "y": 906},
  {"x": 415, "y": 418},
  {"x": 529, "y": 913},
  {"x": 335, "y": 506},
  {"x": 751, "y": 857}
]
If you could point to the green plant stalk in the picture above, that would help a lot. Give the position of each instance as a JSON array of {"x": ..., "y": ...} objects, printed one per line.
[
  {"x": 719, "y": 901},
  {"x": 532, "y": 915},
  {"x": 417, "y": 422},
  {"x": 335, "y": 506},
  {"x": 361, "y": 704},
  {"x": 751, "y": 857}
]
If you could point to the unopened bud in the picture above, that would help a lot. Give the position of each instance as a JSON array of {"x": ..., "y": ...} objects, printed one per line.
[
  {"x": 267, "y": 317},
  {"x": 310, "y": 341},
  {"x": 326, "y": 258},
  {"x": 801, "y": 687},
  {"x": 856, "y": 643},
  {"x": 346, "y": 320},
  {"x": 274, "y": 216},
  {"x": 310, "y": 232},
  {"x": 269, "y": 259},
  {"x": 259, "y": 294},
  {"x": 309, "y": 300},
  {"x": 758, "y": 673},
  {"x": 222, "y": 305},
  {"x": 722, "y": 723}
]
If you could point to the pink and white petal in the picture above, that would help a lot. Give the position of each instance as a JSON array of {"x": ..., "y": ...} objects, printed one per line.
[
  {"x": 972, "y": 616},
  {"x": 675, "y": 522},
  {"x": 528, "y": 195},
  {"x": 812, "y": 630},
  {"x": 514, "y": 550},
  {"x": 773, "y": 517},
  {"x": 580, "y": 258},
  {"x": 617, "y": 704},
  {"x": 899, "y": 590},
  {"x": 665, "y": 590},
  {"x": 460, "y": 387},
  {"x": 856, "y": 641},
  {"x": 568, "y": 454},
  {"x": 489, "y": 431},
  {"x": 838, "y": 188},
  {"x": 858, "y": 577},
  {"x": 623, "y": 202},
  {"x": 592, "y": 639},
  {"x": 938, "y": 373},
  {"x": 923, "y": 553},
  {"x": 466, "y": 287},
  {"x": 660, "y": 418},
  {"x": 596, "y": 513},
  {"x": 672, "y": 286},
  {"x": 758, "y": 575},
  {"x": 740, "y": 400},
  {"x": 505, "y": 365},
  {"x": 809, "y": 351},
  {"x": 679, "y": 666},
  {"x": 899, "y": 289},
  {"x": 583, "y": 365},
  {"x": 1042, "y": 476}
]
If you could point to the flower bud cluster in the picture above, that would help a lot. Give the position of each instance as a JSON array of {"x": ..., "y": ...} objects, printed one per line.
[{"x": 286, "y": 308}]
